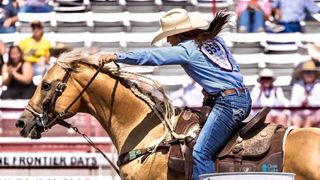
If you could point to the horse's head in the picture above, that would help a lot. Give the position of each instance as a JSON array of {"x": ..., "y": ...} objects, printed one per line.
[{"x": 51, "y": 102}]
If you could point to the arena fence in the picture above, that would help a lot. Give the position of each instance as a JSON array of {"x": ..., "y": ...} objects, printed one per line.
[{"x": 61, "y": 151}]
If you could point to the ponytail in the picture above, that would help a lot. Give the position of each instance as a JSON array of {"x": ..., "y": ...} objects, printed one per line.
[{"x": 215, "y": 27}]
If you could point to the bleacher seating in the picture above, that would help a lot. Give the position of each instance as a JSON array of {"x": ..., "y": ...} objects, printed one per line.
[
  {"x": 66, "y": 6},
  {"x": 122, "y": 25},
  {"x": 71, "y": 22},
  {"x": 109, "y": 22},
  {"x": 243, "y": 43},
  {"x": 170, "y": 4},
  {"x": 110, "y": 42},
  {"x": 135, "y": 41},
  {"x": 206, "y": 5},
  {"x": 283, "y": 43},
  {"x": 144, "y": 22},
  {"x": 249, "y": 63},
  {"x": 312, "y": 26},
  {"x": 107, "y": 6},
  {"x": 143, "y": 6},
  {"x": 26, "y": 18}
]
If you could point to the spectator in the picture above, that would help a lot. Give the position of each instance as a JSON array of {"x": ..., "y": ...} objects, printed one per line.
[
  {"x": 314, "y": 52},
  {"x": 36, "y": 6},
  {"x": 2, "y": 51},
  {"x": 36, "y": 49},
  {"x": 17, "y": 76},
  {"x": 290, "y": 13},
  {"x": 189, "y": 95},
  {"x": 306, "y": 93},
  {"x": 252, "y": 15},
  {"x": 266, "y": 94},
  {"x": 8, "y": 17}
]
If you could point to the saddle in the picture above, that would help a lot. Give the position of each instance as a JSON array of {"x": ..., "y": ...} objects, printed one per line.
[{"x": 254, "y": 146}]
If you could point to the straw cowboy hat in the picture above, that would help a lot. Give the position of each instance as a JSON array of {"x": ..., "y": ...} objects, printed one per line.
[
  {"x": 308, "y": 66},
  {"x": 266, "y": 73},
  {"x": 314, "y": 51},
  {"x": 177, "y": 21}
]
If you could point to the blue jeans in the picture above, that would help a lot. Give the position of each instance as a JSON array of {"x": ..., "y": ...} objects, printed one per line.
[
  {"x": 226, "y": 115},
  {"x": 36, "y": 9},
  {"x": 252, "y": 21},
  {"x": 10, "y": 29},
  {"x": 291, "y": 27}
]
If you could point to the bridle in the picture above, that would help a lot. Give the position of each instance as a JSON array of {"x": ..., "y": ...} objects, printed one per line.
[
  {"x": 45, "y": 118},
  {"x": 44, "y": 115}
]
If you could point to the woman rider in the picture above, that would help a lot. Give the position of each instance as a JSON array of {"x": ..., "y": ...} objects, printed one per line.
[{"x": 206, "y": 59}]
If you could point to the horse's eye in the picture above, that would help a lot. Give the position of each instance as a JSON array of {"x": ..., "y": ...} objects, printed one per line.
[{"x": 46, "y": 86}]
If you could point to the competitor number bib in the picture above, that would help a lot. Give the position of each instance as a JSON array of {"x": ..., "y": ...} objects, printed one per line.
[{"x": 217, "y": 54}]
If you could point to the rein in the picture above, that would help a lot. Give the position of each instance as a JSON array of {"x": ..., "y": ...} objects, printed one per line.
[{"x": 61, "y": 114}]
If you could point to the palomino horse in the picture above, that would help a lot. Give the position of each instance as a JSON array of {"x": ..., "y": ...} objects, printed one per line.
[{"x": 131, "y": 122}]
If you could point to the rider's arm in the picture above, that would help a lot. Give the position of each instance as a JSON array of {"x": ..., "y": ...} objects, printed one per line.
[{"x": 157, "y": 56}]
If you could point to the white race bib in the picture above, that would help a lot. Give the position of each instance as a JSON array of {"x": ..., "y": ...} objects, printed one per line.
[{"x": 217, "y": 54}]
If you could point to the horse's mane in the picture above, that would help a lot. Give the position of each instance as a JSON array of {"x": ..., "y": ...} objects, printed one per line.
[
  {"x": 91, "y": 57},
  {"x": 72, "y": 58},
  {"x": 139, "y": 84}
]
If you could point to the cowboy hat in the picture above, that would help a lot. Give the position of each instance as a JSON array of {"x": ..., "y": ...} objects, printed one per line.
[
  {"x": 266, "y": 73},
  {"x": 308, "y": 66},
  {"x": 314, "y": 51},
  {"x": 177, "y": 21}
]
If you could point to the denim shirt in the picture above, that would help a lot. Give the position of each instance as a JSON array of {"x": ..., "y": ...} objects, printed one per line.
[
  {"x": 213, "y": 77},
  {"x": 295, "y": 11}
]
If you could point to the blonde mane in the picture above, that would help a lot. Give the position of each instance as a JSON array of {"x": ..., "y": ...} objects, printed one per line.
[{"x": 72, "y": 58}]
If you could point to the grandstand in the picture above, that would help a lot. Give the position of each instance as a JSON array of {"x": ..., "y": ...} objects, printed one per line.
[
  {"x": 124, "y": 25},
  {"x": 129, "y": 25}
]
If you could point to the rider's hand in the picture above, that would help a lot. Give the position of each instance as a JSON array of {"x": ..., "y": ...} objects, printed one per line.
[{"x": 107, "y": 58}]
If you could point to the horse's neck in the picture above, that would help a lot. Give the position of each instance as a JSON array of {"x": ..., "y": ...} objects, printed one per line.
[{"x": 128, "y": 120}]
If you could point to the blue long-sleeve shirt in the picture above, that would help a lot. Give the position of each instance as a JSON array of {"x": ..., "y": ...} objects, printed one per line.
[
  {"x": 295, "y": 10},
  {"x": 210, "y": 65}
]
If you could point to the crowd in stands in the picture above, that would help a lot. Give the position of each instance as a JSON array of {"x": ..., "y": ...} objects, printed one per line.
[
  {"x": 284, "y": 16},
  {"x": 27, "y": 59},
  {"x": 31, "y": 57},
  {"x": 305, "y": 94}
]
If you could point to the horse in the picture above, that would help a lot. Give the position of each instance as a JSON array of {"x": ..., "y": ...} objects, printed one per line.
[{"x": 129, "y": 120}]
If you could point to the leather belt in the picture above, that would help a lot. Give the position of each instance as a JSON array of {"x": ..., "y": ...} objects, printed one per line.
[{"x": 229, "y": 91}]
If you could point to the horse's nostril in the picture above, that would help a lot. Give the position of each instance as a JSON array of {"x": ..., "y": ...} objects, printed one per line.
[{"x": 20, "y": 124}]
